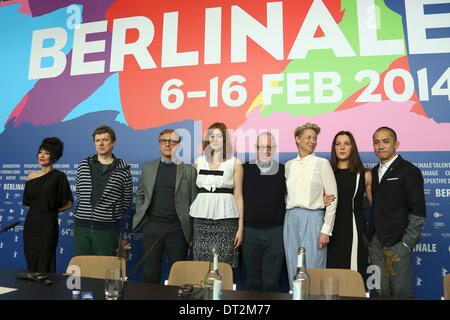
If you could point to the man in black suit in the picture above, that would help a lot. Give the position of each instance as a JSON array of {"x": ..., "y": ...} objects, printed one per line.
[{"x": 398, "y": 215}]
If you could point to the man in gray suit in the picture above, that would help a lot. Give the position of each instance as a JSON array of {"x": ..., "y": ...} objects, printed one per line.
[{"x": 165, "y": 192}]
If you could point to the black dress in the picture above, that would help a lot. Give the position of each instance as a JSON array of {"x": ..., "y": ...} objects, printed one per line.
[
  {"x": 44, "y": 195},
  {"x": 339, "y": 252}
]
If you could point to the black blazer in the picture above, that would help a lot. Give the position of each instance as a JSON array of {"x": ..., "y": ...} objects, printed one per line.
[{"x": 398, "y": 204}]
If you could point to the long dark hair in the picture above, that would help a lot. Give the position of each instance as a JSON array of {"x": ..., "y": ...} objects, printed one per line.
[
  {"x": 54, "y": 146},
  {"x": 355, "y": 163},
  {"x": 226, "y": 142}
]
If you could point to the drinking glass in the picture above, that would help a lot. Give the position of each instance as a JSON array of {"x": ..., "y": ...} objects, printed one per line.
[
  {"x": 113, "y": 284},
  {"x": 329, "y": 288}
]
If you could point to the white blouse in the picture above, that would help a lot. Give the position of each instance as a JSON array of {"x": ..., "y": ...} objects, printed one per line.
[
  {"x": 214, "y": 206},
  {"x": 306, "y": 180}
]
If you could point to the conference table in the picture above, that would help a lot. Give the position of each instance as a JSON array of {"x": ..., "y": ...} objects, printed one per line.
[{"x": 59, "y": 290}]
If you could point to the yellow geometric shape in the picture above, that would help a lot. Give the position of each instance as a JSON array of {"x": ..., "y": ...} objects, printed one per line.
[{"x": 259, "y": 99}]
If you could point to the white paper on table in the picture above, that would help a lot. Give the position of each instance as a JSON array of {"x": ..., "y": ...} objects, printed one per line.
[{"x": 4, "y": 290}]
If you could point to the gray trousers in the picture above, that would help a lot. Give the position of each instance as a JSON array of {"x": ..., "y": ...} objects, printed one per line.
[{"x": 395, "y": 264}]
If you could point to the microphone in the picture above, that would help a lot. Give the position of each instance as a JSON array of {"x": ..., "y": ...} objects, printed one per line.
[
  {"x": 35, "y": 276},
  {"x": 10, "y": 226}
]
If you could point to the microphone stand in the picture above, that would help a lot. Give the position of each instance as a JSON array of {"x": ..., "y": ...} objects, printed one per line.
[
  {"x": 143, "y": 259},
  {"x": 10, "y": 226},
  {"x": 145, "y": 256}
]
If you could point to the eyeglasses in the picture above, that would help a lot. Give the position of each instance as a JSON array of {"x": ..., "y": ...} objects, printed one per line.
[
  {"x": 268, "y": 148},
  {"x": 171, "y": 142}
]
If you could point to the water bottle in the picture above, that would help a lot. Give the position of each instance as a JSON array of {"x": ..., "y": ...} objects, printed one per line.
[
  {"x": 213, "y": 279},
  {"x": 301, "y": 280}
]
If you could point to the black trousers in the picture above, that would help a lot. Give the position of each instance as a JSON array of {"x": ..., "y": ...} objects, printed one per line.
[
  {"x": 168, "y": 237},
  {"x": 263, "y": 254}
]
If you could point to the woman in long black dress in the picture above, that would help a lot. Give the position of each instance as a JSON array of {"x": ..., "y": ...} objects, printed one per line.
[
  {"x": 47, "y": 192},
  {"x": 347, "y": 249}
]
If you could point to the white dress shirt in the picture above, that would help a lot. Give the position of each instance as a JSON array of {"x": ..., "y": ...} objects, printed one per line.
[
  {"x": 306, "y": 180},
  {"x": 383, "y": 168}
]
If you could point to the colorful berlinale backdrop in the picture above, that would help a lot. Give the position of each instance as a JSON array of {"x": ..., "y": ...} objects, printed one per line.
[{"x": 67, "y": 67}]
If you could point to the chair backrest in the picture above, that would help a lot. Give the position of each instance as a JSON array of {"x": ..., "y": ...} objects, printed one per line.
[
  {"x": 351, "y": 284},
  {"x": 96, "y": 266},
  {"x": 193, "y": 272},
  {"x": 447, "y": 287}
]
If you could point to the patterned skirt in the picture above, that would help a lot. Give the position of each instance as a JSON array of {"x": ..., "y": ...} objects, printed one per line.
[{"x": 221, "y": 233}]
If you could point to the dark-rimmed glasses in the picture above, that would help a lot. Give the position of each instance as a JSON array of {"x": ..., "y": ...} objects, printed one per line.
[{"x": 168, "y": 141}]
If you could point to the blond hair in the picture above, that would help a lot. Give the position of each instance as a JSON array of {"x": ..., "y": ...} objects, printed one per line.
[{"x": 299, "y": 130}]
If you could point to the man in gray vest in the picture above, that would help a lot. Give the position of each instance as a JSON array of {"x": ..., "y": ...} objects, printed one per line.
[{"x": 166, "y": 190}]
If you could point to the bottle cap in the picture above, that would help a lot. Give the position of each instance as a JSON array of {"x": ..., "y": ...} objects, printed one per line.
[{"x": 76, "y": 292}]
